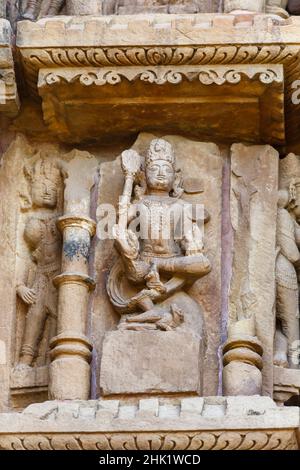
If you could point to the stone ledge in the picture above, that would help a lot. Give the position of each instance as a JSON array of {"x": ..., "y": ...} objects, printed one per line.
[
  {"x": 187, "y": 423},
  {"x": 164, "y": 29}
]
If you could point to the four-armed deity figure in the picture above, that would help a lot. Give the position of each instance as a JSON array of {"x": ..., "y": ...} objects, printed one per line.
[{"x": 162, "y": 262}]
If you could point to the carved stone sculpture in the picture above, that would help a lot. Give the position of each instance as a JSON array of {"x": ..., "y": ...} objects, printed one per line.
[
  {"x": 287, "y": 264},
  {"x": 43, "y": 240},
  {"x": 159, "y": 256},
  {"x": 159, "y": 264}
]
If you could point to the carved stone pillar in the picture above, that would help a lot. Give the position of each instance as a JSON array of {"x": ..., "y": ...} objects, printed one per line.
[
  {"x": 71, "y": 349},
  {"x": 242, "y": 360}
]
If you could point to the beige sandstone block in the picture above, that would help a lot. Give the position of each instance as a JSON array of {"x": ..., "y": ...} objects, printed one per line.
[{"x": 151, "y": 362}]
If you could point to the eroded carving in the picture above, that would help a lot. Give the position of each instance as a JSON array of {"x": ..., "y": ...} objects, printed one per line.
[
  {"x": 210, "y": 440},
  {"x": 287, "y": 265},
  {"x": 36, "y": 289}
]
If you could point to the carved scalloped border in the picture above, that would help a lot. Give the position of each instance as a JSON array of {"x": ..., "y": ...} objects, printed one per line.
[
  {"x": 206, "y": 75},
  {"x": 202, "y": 440}
]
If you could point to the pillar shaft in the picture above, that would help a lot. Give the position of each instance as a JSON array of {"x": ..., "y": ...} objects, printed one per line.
[{"x": 71, "y": 350}]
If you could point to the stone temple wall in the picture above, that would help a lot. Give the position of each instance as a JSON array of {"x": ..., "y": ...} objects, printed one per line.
[{"x": 149, "y": 225}]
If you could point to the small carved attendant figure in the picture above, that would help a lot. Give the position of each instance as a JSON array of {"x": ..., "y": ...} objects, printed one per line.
[
  {"x": 287, "y": 264},
  {"x": 43, "y": 240},
  {"x": 162, "y": 263}
]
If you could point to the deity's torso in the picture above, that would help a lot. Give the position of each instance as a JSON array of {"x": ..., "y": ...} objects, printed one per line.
[
  {"x": 160, "y": 221},
  {"x": 47, "y": 251}
]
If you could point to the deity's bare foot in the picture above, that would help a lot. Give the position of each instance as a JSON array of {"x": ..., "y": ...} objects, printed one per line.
[
  {"x": 151, "y": 316},
  {"x": 28, "y": 15}
]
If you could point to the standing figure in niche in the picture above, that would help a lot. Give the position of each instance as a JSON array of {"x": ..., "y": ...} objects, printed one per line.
[
  {"x": 43, "y": 240},
  {"x": 287, "y": 264}
]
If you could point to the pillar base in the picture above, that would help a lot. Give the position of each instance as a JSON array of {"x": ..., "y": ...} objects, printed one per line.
[{"x": 69, "y": 375}]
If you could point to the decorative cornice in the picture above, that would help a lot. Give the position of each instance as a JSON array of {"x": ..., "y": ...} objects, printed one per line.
[
  {"x": 66, "y": 44},
  {"x": 233, "y": 423},
  {"x": 202, "y": 440},
  {"x": 38, "y": 59},
  {"x": 205, "y": 74}
]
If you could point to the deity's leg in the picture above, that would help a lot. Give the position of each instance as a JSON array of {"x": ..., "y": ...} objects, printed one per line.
[
  {"x": 287, "y": 313},
  {"x": 34, "y": 328}
]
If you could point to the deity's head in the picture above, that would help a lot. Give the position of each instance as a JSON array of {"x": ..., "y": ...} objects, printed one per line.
[
  {"x": 45, "y": 178},
  {"x": 160, "y": 166}
]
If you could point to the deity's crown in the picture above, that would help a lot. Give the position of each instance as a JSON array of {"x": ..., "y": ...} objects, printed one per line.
[
  {"x": 160, "y": 149},
  {"x": 43, "y": 169}
]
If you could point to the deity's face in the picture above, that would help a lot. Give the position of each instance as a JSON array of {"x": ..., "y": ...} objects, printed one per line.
[
  {"x": 160, "y": 175},
  {"x": 44, "y": 193}
]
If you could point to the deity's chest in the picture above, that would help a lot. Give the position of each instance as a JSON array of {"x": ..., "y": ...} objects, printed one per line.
[{"x": 158, "y": 221}]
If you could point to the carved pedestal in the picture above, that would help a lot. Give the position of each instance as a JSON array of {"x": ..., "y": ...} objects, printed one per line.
[{"x": 156, "y": 362}]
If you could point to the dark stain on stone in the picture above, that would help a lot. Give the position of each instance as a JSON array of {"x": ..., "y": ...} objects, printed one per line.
[{"x": 76, "y": 249}]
